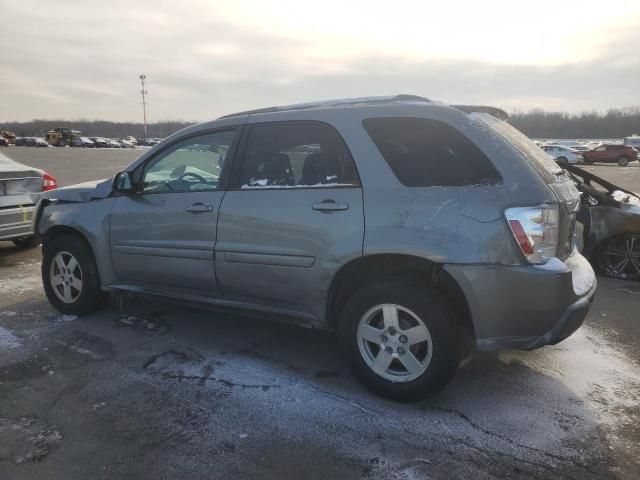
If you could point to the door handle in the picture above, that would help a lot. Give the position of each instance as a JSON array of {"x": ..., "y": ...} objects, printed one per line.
[
  {"x": 330, "y": 206},
  {"x": 199, "y": 208}
]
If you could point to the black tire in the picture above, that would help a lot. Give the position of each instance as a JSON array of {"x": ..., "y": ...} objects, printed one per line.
[
  {"x": 31, "y": 241},
  {"x": 611, "y": 253},
  {"x": 91, "y": 297},
  {"x": 623, "y": 161},
  {"x": 433, "y": 311},
  {"x": 62, "y": 143},
  {"x": 587, "y": 161},
  {"x": 562, "y": 161}
]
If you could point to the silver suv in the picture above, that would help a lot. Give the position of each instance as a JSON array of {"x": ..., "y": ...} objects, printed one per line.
[{"x": 410, "y": 227}]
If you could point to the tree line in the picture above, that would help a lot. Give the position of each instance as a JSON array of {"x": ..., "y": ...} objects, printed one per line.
[{"x": 614, "y": 123}]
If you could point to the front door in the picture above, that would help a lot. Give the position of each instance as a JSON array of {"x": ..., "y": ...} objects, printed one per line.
[
  {"x": 292, "y": 216},
  {"x": 163, "y": 237}
]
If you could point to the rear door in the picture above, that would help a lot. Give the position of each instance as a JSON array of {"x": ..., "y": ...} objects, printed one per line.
[
  {"x": 292, "y": 217},
  {"x": 599, "y": 154},
  {"x": 164, "y": 236}
]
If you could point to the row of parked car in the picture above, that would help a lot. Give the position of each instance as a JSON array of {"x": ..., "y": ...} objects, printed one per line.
[
  {"x": 101, "y": 142},
  {"x": 587, "y": 153},
  {"x": 86, "y": 142}
]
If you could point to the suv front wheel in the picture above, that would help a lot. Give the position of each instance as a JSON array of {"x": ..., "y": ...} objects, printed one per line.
[
  {"x": 70, "y": 276},
  {"x": 400, "y": 339}
]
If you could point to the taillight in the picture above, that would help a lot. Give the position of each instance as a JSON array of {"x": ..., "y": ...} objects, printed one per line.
[
  {"x": 48, "y": 182},
  {"x": 535, "y": 230}
]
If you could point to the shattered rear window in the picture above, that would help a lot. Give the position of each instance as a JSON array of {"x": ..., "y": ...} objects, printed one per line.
[
  {"x": 426, "y": 153},
  {"x": 538, "y": 158}
]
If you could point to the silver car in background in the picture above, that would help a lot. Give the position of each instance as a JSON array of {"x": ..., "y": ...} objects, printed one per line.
[
  {"x": 20, "y": 189},
  {"x": 410, "y": 227}
]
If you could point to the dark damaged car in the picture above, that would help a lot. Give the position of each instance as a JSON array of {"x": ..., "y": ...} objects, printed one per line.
[
  {"x": 609, "y": 220},
  {"x": 411, "y": 228}
]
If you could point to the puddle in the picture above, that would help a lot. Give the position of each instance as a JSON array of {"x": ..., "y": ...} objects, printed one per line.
[{"x": 142, "y": 323}]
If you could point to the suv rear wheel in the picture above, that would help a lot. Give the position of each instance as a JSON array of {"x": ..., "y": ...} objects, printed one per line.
[
  {"x": 400, "y": 339},
  {"x": 70, "y": 276},
  {"x": 623, "y": 161}
]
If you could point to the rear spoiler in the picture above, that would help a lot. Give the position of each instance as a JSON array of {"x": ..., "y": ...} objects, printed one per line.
[{"x": 496, "y": 112}]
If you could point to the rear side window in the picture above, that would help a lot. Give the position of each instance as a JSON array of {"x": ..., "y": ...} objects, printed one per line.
[
  {"x": 301, "y": 154},
  {"x": 425, "y": 153}
]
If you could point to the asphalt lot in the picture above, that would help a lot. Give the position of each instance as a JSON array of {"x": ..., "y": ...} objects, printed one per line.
[{"x": 160, "y": 391}]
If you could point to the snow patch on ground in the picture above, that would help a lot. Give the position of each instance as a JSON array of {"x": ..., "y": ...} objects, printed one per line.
[
  {"x": 8, "y": 339},
  {"x": 604, "y": 378},
  {"x": 20, "y": 283}
]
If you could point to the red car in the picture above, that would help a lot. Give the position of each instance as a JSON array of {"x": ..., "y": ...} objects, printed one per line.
[{"x": 623, "y": 154}]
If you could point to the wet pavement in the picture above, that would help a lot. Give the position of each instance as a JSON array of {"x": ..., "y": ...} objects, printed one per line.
[{"x": 153, "y": 390}]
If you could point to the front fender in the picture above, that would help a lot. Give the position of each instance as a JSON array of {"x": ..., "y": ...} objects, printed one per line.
[{"x": 87, "y": 219}]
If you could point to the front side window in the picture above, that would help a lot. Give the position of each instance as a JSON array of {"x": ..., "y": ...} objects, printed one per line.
[
  {"x": 290, "y": 155},
  {"x": 191, "y": 165},
  {"x": 425, "y": 153}
]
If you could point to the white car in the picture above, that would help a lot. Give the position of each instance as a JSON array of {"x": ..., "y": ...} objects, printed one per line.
[
  {"x": 633, "y": 141},
  {"x": 562, "y": 154}
]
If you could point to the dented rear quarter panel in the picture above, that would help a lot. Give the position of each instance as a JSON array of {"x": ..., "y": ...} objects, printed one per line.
[{"x": 444, "y": 224}]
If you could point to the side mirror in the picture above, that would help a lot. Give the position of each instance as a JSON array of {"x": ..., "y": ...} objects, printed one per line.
[{"x": 123, "y": 183}]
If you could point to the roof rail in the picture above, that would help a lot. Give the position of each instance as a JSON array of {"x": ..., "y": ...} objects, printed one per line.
[
  {"x": 496, "y": 112},
  {"x": 334, "y": 103}
]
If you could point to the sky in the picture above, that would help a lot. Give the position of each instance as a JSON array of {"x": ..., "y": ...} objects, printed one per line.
[{"x": 206, "y": 58}]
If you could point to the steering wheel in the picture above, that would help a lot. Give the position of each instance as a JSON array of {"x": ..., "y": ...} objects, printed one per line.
[{"x": 200, "y": 178}]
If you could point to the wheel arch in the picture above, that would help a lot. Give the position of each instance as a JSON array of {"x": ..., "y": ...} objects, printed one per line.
[
  {"x": 58, "y": 230},
  {"x": 362, "y": 270}
]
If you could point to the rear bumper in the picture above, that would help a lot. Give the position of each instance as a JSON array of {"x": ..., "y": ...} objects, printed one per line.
[
  {"x": 526, "y": 307},
  {"x": 16, "y": 222}
]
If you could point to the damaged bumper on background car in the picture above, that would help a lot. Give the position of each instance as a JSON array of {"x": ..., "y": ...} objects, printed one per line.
[
  {"x": 525, "y": 307},
  {"x": 20, "y": 190},
  {"x": 16, "y": 221}
]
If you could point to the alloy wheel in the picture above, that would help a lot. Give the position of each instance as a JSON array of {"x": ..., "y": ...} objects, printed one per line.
[
  {"x": 394, "y": 342},
  {"x": 621, "y": 257},
  {"x": 65, "y": 276}
]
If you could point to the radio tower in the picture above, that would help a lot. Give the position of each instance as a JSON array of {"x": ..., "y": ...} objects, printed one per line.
[{"x": 144, "y": 93}]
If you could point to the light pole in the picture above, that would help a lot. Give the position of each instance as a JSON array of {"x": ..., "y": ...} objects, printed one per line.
[{"x": 143, "y": 92}]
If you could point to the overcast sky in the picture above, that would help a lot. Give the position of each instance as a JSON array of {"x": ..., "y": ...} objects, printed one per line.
[{"x": 81, "y": 59}]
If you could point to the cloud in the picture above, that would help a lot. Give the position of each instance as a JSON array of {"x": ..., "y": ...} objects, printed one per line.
[{"x": 84, "y": 60}]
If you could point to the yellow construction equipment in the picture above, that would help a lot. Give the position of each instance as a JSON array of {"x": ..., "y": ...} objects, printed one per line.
[
  {"x": 61, "y": 136},
  {"x": 10, "y": 136}
]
